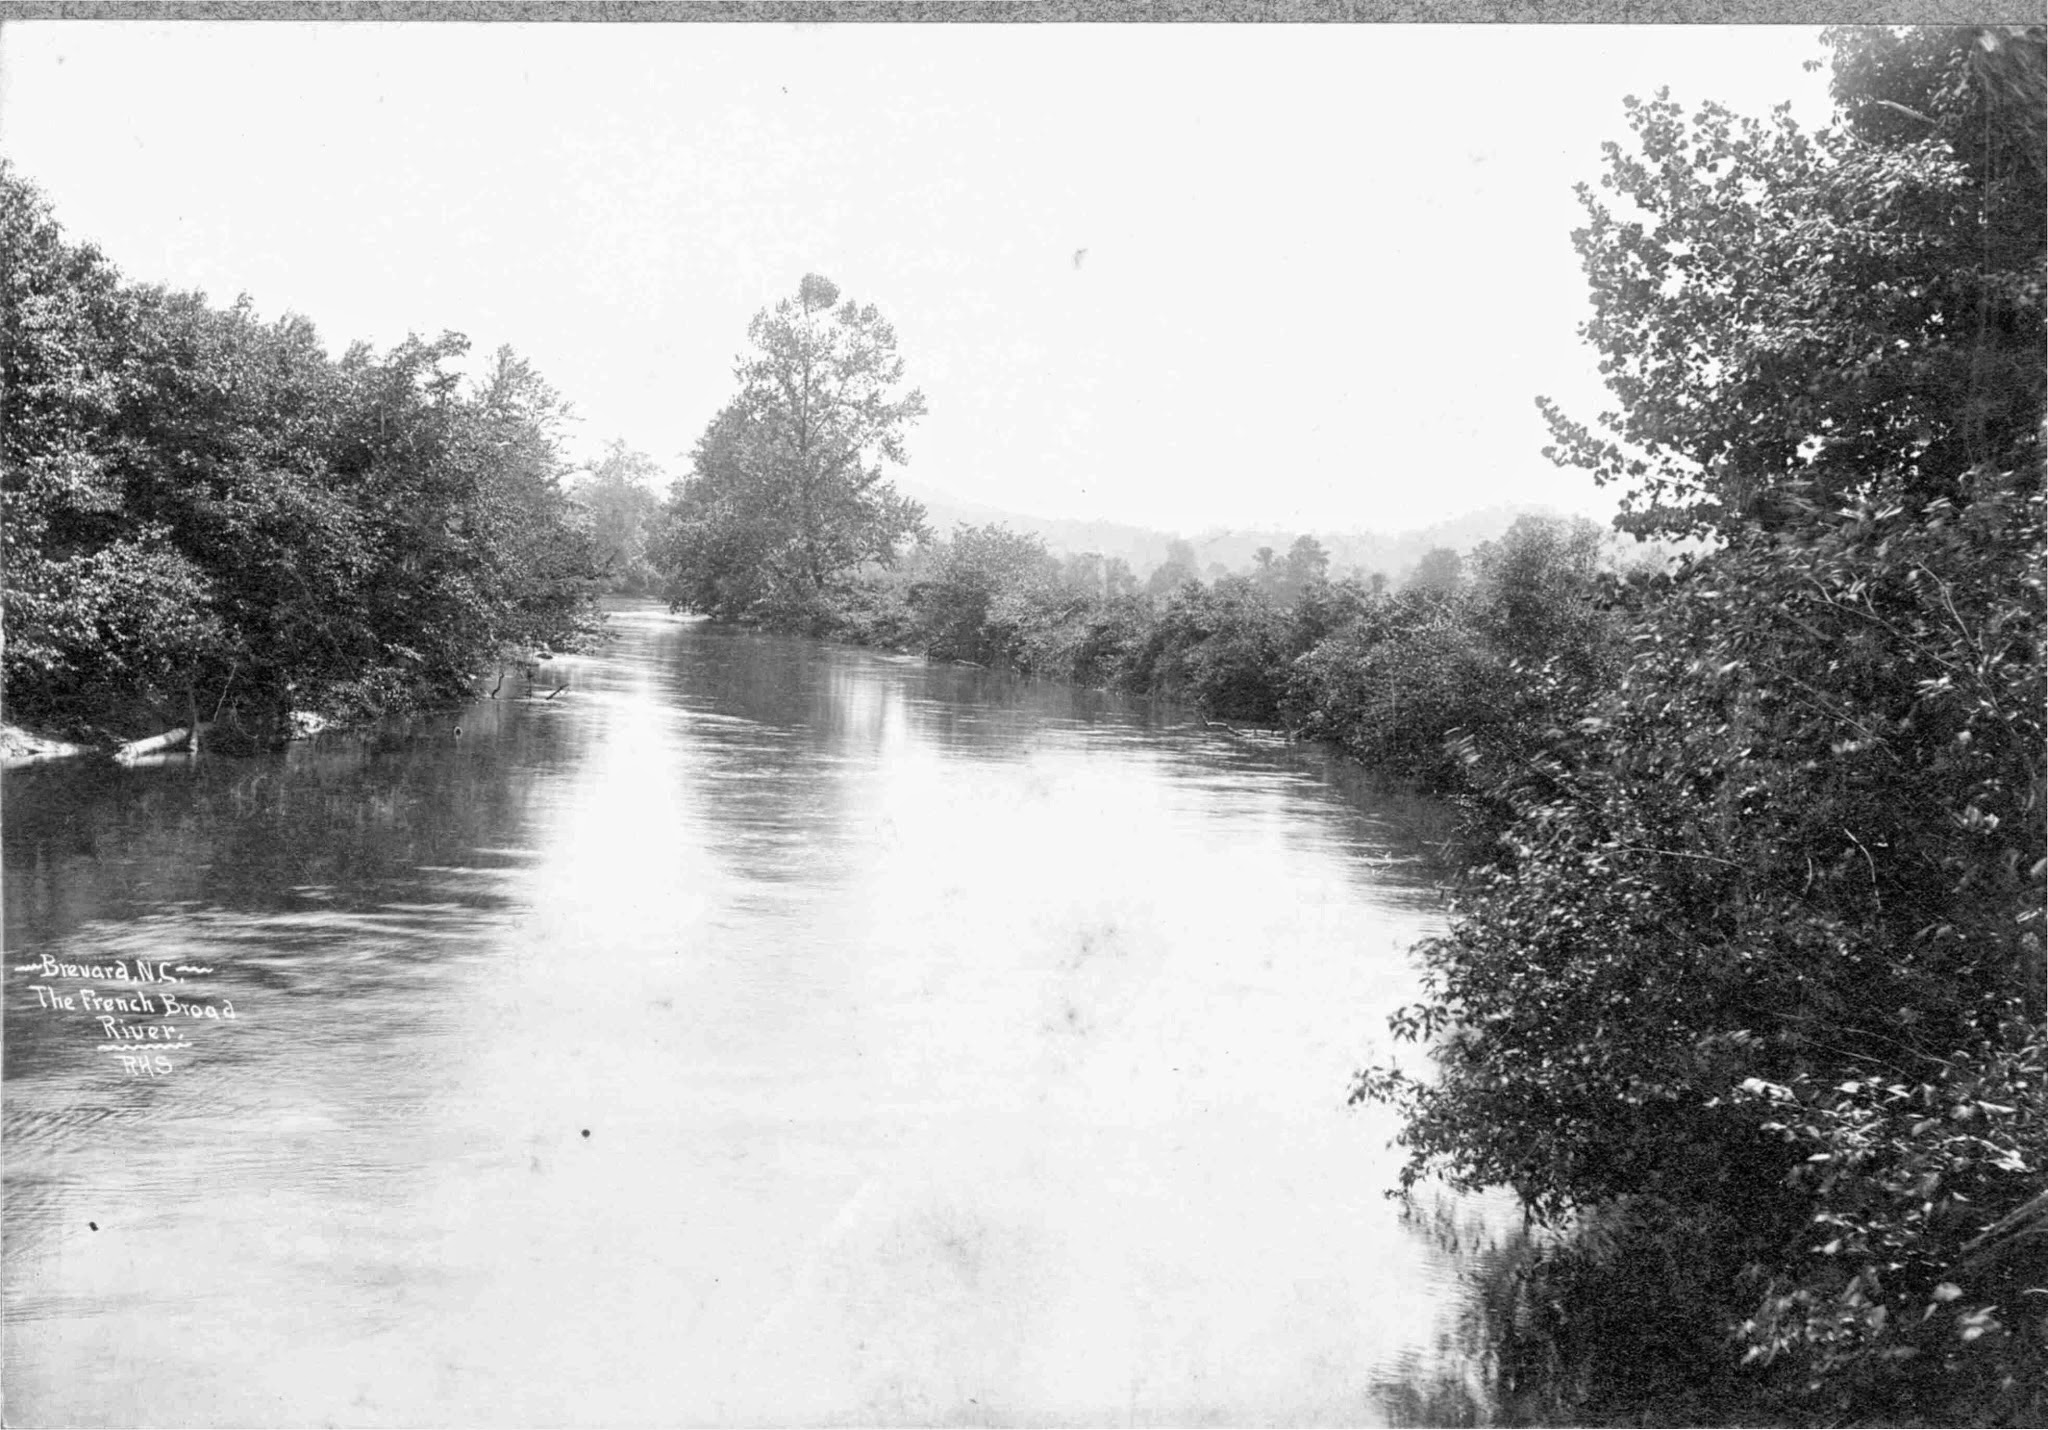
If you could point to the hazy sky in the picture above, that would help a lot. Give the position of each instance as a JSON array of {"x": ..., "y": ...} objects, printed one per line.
[{"x": 1326, "y": 268}]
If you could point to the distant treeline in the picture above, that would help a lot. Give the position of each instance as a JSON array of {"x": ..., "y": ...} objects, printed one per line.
[
  {"x": 1745, "y": 995},
  {"x": 206, "y": 515}
]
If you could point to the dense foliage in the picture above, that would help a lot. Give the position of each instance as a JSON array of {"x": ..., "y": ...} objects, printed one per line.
[
  {"x": 1387, "y": 676},
  {"x": 1753, "y": 941},
  {"x": 1778, "y": 310},
  {"x": 206, "y": 514}
]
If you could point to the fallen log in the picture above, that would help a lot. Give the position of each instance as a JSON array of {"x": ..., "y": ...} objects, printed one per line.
[{"x": 169, "y": 740}]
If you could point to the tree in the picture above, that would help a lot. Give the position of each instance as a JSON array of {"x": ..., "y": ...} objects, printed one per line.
[
  {"x": 528, "y": 538},
  {"x": 1757, "y": 946},
  {"x": 1307, "y": 563},
  {"x": 1438, "y": 573},
  {"x": 787, "y": 490},
  {"x": 1782, "y": 313},
  {"x": 970, "y": 574},
  {"x": 1179, "y": 568},
  {"x": 1266, "y": 570},
  {"x": 1083, "y": 572},
  {"x": 96, "y": 605},
  {"x": 619, "y": 498},
  {"x": 204, "y": 513},
  {"x": 1538, "y": 589}
]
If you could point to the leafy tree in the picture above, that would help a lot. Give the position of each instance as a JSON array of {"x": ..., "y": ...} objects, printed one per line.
[
  {"x": 1759, "y": 948},
  {"x": 620, "y": 501},
  {"x": 1266, "y": 569},
  {"x": 1781, "y": 312},
  {"x": 1284, "y": 578},
  {"x": 221, "y": 440},
  {"x": 1180, "y": 567},
  {"x": 1082, "y": 571},
  {"x": 1307, "y": 562},
  {"x": 1538, "y": 589},
  {"x": 968, "y": 575},
  {"x": 85, "y": 591},
  {"x": 527, "y": 535},
  {"x": 205, "y": 513},
  {"x": 787, "y": 491},
  {"x": 1438, "y": 573}
]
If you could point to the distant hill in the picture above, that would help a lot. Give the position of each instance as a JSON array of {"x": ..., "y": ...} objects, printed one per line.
[
  {"x": 1142, "y": 546},
  {"x": 1392, "y": 553},
  {"x": 1351, "y": 552}
]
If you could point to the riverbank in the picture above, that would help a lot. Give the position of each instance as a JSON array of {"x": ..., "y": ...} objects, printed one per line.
[
  {"x": 142, "y": 732},
  {"x": 21, "y": 746},
  {"x": 1428, "y": 816},
  {"x": 1411, "y": 681}
]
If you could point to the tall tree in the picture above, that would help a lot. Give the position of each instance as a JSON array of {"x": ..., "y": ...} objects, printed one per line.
[
  {"x": 528, "y": 535},
  {"x": 788, "y": 489}
]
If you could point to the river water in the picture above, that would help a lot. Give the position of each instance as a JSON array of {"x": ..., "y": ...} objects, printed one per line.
[{"x": 752, "y": 1032}]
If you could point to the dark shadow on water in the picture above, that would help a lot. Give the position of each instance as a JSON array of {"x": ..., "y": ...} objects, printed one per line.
[
  {"x": 348, "y": 819},
  {"x": 1609, "y": 1322}
]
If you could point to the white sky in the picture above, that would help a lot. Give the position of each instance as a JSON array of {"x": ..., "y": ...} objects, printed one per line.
[{"x": 1328, "y": 267}]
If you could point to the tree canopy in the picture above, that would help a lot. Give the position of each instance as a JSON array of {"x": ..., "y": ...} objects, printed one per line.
[
  {"x": 1783, "y": 314},
  {"x": 787, "y": 491}
]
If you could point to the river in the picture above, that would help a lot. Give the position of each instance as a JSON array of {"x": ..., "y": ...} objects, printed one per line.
[{"x": 752, "y": 1032}]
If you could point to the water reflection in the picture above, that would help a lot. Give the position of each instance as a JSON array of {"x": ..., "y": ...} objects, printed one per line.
[{"x": 756, "y": 1032}]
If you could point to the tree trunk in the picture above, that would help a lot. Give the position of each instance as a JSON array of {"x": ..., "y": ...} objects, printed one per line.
[{"x": 169, "y": 740}]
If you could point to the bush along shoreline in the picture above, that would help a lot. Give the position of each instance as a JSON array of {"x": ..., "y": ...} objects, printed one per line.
[
  {"x": 1745, "y": 996},
  {"x": 1385, "y": 677},
  {"x": 211, "y": 524}
]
